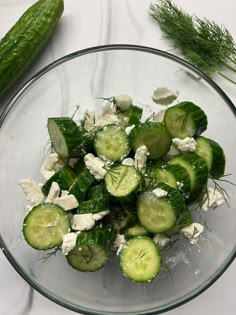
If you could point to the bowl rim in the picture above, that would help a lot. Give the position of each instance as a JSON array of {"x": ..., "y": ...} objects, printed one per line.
[{"x": 188, "y": 297}]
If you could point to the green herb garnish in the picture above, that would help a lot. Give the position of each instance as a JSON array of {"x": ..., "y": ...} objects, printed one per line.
[{"x": 203, "y": 43}]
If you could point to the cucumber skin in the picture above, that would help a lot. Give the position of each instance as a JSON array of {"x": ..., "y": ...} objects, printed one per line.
[
  {"x": 65, "y": 177},
  {"x": 195, "y": 113},
  {"x": 24, "y": 41},
  {"x": 81, "y": 185},
  {"x": 217, "y": 167},
  {"x": 101, "y": 236},
  {"x": 135, "y": 115}
]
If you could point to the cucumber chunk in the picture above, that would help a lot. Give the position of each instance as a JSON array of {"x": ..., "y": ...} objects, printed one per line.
[
  {"x": 154, "y": 136},
  {"x": 135, "y": 115},
  {"x": 136, "y": 230},
  {"x": 93, "y": 248},
  {"x": 140, "y": 259},
  {"x": 111, "y": 143},
  {"x": 64, "y": 176},
  {"x": 185, "y": 120},
  {"x": 122, "y": 180},
  {"x": 197, "y": 170},
  {"x": 81, "y": 185},
  {"x": 213, "y": 154},
  {"x": 159, "y": 214},
  {"x": 45, "y": 225},
  {"x": 68, "y": 139}
]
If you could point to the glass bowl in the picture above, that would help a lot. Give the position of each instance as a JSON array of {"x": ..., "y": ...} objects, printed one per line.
[{"x": 78, "y": 79}]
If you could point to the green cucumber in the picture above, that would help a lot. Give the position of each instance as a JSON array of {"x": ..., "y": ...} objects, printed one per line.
[
  {"x": 111, "y": 143},
  {"x": 184, "y": 219},
  {"x": 135, "y": 115},
  {"x": 93, "y": 248},
  {"x": 174, "y": 175},
  {"x": 213, "y": 154},
  {"x": 197, "y": 170},
  {"x": 140, "y": 259},
  {"x": 64, "y": 176},
  {"x": 185, "y": 120},
  {"x": 45, "y": 225},
  {"x": 122, "y": 180},
  {"x": 93, "y": 206},
  {"x": 159, "y": 214},
  {"x": 81, "y": 185},
  {"x": 24, "y": 41},
  {"x": 154, "y": 136},
  {"x": 136, "y": 230},
  {"x": 68, "y": 139}
]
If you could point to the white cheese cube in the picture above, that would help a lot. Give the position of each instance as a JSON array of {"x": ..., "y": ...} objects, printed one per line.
[{"x": 32, "y": 191}]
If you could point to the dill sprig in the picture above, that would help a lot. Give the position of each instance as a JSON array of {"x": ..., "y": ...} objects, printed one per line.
[
  {"x": 203, "y": 43},
  {"x": 49, "y": 254}
]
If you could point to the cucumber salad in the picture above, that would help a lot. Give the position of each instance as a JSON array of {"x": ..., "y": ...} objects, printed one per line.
[{"x": 121, "y": 185}]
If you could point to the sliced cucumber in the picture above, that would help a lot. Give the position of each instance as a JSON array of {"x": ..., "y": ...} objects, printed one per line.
[
  {"x": 197, "y": 170},
  {"x": 93, "y": 248},
  {"x": 93, "y": 206},
  {"x": 185, "y": 120},
  {"x": 135, "y": 115},
  {"x": 154, "y": 136},
  {"x": 184, "y": 219},
  {"x": 136, "y": 230},
  {"x": 159, "y": 214},
  {"x": 174, "y": 175},
  {"x": 140, "y": 259},
  {"x": 64, "y": 176},
  {"x": 213, "y": 154},
  {"x": 68, "y": 139},
  {"x": 122, "y": 180},
  {"x": 45, "y": 225},
  {"x": 81, "y": 184},
  {"x": 111, "y": 143}
]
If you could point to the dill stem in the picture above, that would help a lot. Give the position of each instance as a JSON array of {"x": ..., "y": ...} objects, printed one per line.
[
  {"x": 228, "y": 66},
  {"x": 227, "y": 78}
]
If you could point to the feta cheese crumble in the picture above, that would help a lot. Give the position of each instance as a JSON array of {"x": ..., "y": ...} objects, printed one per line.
[
  {"x": 173, "y": 151},
  {"x": 185, "y": 145},
  {"x": 108, "y": 116},
  {"x": 140, "y": 158},
  {"x": 128, "y": 162},
  {"x": 164, "y": 96},
  {"x": 95, "y": 165},
  {"x": 212, "y": 199},
  {"x": 54, "y": 192},
  {"x": 32, "y": 191},
  {"x": 69, "y": 242},
  {"x": 49, "y": 165},
  {"x": 161, "y": 240},
  {"x": 159, "y": 116},
  {"x": 123, "y": 102},
  {"x": 158, "y": 192},
  {"x": 192, "y": 232},
  {"x": 86, "y": 221},
  {"x": 67, "y": 202},
  {"x": 129, "y": 129},
  {"x": 119, "y": 243},
  {"x": 89, "y": 120}
]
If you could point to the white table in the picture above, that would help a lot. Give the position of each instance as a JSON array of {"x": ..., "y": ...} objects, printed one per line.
[{"x": 91, "y": 23}]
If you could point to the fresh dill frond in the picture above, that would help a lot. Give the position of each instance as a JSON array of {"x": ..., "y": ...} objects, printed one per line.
[
  {"x": 203, "y": 42},
  {"x": 48, "y": 255}
]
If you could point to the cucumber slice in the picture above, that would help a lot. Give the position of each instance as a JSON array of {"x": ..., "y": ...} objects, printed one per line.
[
  {"x": 159, "y": 214},
  {"x": 64, "y": 176},
  {"x": 154, "y": 136},
  {"x": 174, "y": 175},
  {"x": 68, "y": 139},
  {"x": 135, "y": 115},
  {"x": 213, "y": 154},
  {"x": 136, "y": 230},
  {"x": 197, "y": 170},
  {"x": 122, "y": 180},
  {"x": 93, "y": 248},
  {"x": 82, "y": 184},
  {"x": 45, "y": 225},
  {"x": 185, "y": 120},
  {"x": 140, "y": 259},
  {"x": 111, "y": 143},
  {"x": 93, "y": 206},
  {"x": 184, "y": 219}
]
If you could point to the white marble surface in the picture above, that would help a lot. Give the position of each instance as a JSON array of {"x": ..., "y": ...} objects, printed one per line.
[{"x": 88, "y": 23}]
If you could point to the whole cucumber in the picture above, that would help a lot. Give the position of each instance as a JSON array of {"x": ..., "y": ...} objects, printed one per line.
[{"x": 21, "y": 45}]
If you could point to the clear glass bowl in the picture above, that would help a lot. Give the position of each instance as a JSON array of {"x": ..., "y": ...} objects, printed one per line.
[{"x": 78, "y": 79}]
